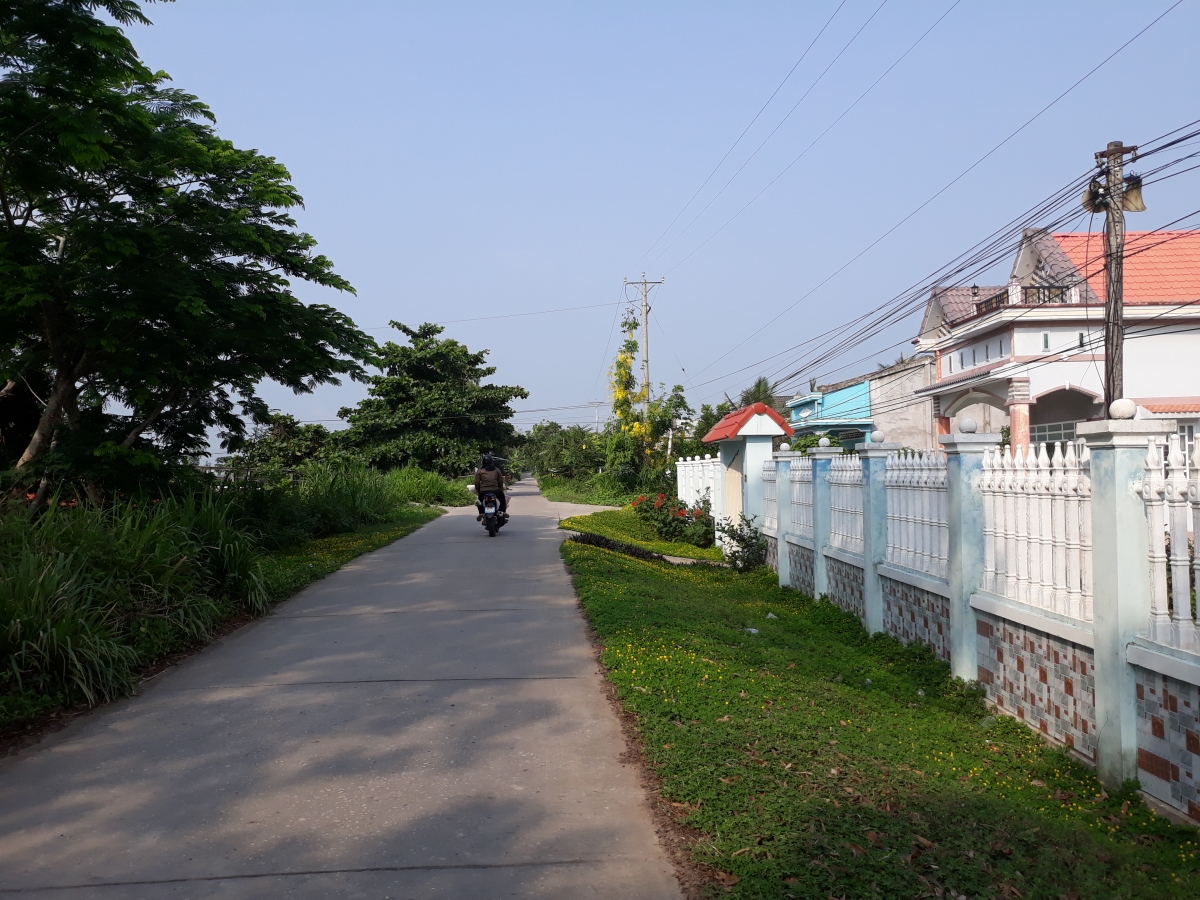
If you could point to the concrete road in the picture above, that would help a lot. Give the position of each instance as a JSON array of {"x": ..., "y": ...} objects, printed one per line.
[{"x": 426, "y": 722}]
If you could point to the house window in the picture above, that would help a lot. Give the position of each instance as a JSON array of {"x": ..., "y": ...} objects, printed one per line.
[
  {"x": 1081, "y": 340},
  {"x": 973, "y": 359},
  {"x": 962, "y": 360},
  {"x": 1187, "y": 443},
  {"x": 950, "y": 363},
  {"x": 1050, "y": 433},
  {"x": 987, "y": 352},
  {"x": 1045, "y": 340}
]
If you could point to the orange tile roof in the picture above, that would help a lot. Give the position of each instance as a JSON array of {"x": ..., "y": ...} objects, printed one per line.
[
  {"x": 729, "y": 426},
  {"x": 1169, "y": 405},
  {"x": 1160, "y": 266}
]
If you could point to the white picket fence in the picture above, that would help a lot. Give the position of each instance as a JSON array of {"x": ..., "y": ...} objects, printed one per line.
[
  {"x": 917, "y": 512},
  {"x": 770, "y": 501},
  {"x": 697, "y": 479},
  {"x": 1038, "y": 527},
  {"x": 846, "y": 503},
  {"x": 800, "y": 477},
  {"x": 1172, "y": 574}
]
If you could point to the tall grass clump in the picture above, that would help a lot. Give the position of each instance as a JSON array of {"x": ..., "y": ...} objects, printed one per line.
[
  {"x": 413, "y": 485},
  {"x": 89, "y": 595}
]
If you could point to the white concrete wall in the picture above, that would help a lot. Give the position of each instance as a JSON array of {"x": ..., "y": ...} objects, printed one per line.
[{"x": 1161, "y": 365}]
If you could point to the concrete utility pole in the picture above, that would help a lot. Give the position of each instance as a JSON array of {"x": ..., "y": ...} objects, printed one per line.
[
  {"x": 1111, "y": 160},
  {"x": 645, "y": 286}
]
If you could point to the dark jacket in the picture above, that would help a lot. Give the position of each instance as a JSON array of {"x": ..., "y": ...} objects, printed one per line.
[{"x": 489, "y": 480}]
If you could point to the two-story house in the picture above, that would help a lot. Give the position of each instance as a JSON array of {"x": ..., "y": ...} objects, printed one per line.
[{"x": 1034, "y": 349}]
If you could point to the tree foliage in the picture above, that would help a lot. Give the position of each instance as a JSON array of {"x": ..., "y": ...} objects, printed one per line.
[
  {"x": 430, "y": 407},
  {"x": 145, "y": 263},
  {"x": 551, "y": 449},
  {"x": 761, "y": 391}
]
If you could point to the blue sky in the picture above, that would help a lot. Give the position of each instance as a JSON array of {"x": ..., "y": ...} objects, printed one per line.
[{"x": 467, "y": 160}]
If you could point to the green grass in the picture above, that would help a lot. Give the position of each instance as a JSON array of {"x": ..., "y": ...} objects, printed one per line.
[
  {"x": 625, "y": 525},
  {"x": 583, "y": 490},
  {"x": 817, "y": 762},
  {"x": 288, "y": 571}
]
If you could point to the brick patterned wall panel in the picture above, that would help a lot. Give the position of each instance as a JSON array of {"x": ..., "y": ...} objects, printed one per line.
[
  {"x": 772, "y": 553},
  {"x": 1045, "y": 681},
  {"x": 846, "y": 586},
  {"x": 801, "y": 568},
  {"x": 915, "y": 614},
  {"x": 1169, "y": 740}
]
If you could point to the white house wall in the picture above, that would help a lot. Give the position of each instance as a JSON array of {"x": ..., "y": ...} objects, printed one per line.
[
  {"x": 1061, "y": 338},
  {"x": 1051, "y": 376},
  {"x": 1164, "y": 365}
]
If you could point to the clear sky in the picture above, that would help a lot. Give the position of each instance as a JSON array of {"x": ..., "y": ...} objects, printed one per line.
[{"x": 466, "y": 160}]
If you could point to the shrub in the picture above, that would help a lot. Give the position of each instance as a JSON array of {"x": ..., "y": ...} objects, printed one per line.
[
  {"x": 674, "y": 520},
  {"x": 745, "y": 546}
]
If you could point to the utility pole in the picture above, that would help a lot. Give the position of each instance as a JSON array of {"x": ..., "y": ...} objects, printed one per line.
[
  {"x": 645, "y": 286},
  {"x": 1112, "y": 199}
]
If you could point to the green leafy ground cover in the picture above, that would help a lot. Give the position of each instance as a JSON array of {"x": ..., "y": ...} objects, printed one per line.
[
  {"x": 597, "y": 492},
  {"x": 289, "y": 571},
  {"x": 625, "y": 525},
  {"x": 816, "y": 762}
]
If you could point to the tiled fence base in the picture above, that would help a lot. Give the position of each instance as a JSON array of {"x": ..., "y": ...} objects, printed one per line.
[
  {"x": 1043, "y": 680},
  {"x": 846, "y": 586},
  {"x": 1169, "y": 740},
  {"x": 801, "y": 568},
  {"x": 772, "y": 552},
  {"x": 915, "y": 614}
]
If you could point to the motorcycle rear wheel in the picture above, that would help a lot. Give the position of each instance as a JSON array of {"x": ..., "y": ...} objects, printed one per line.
[{"x": 492, "y": 526}]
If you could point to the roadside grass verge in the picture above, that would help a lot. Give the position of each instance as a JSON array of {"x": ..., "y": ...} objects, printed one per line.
[
  {"x": 625, "y": 525},
  {"x": 813, "y": 761},
  {"x": 86, "y": 609},
  {"x": 591, "y": 490}
]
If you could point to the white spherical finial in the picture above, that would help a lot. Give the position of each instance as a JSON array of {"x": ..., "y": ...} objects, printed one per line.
[
  {"x": 968, "y": 426},
  {"x": 1122, "y": 409},
  {"x": 785, "y": 447},
  {"x": 877, "y": 437},
  {"x": 708, "y": 456},
  {"x": 823, "y": 442}
]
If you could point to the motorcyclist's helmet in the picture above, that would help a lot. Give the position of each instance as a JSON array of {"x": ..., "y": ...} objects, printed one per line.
[{"x": 488, "y": 462}]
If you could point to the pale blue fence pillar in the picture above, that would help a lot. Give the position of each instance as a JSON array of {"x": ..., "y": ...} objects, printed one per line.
[
  {"x": 1121, "y": 586},
  {"x": 964, "y": 472},
  {"x": 783, "y": 502},
  {"x": 821, "y": 514},
  {"x": 874, "y": 468}
]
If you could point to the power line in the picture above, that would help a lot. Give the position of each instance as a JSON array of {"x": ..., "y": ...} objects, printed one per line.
[
  {"x": 803, "y": 97},
  {"x": 938, "y": 193},
  {"x": 540, "y": 312},
  {"x": 732, "y": 146}
]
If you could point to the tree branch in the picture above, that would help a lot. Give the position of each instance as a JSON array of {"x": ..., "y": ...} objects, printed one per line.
[{"x": 152, "y": 418}]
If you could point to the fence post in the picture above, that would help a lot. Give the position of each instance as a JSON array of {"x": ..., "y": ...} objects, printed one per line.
[
  {"x": 783, "y": 502},
  {"x": 1121, "y": 582},
  {"x": 875, "y": 535},
  {"x": 964, "y": 496},
  {"x": 822, "y": 512}
]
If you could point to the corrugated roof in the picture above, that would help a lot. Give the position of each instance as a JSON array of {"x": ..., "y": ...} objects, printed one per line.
[
  {"x": 1160, "y": 266},
  {"x": 732, "y": 424}
]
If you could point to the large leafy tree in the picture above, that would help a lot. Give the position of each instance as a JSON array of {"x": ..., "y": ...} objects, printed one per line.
[
  {"x": 430, "y": 407},
  {"x": 145, "y": 263}
]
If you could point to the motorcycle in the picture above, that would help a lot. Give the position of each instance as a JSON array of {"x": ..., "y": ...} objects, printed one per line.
[{"x": 489, "y": 513}]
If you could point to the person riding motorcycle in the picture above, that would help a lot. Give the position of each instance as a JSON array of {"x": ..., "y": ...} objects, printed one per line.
[{"x": 489, "y": 479}]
